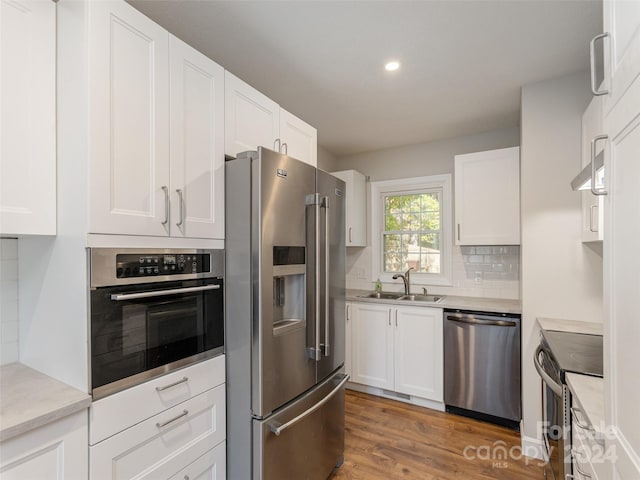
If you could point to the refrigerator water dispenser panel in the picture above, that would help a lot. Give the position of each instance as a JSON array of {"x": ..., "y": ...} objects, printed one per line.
[{"x": 288, "y": 289}]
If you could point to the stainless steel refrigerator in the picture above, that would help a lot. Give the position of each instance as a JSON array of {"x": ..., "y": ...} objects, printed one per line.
[{"x": 284, "y": 318}]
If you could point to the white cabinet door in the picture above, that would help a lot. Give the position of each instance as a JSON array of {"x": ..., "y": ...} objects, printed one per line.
[
  {"x": 129, "y": 122},
  {"x": 622, "y": 288},
  {"x": 592, "y": 206},
  {"x": 348, "y": 336},
  {"x": 355, "y": 206},
  {"x": 251, "y": 119},
  {"x": 57, "y": 451},
  {"x": 299, "y": 139},
  {"x": 28, "y": 117},
  {"x": 487, "y": 197},
  {"x": 210, "y": 466},
  {"x": 372, "y": 345},
  {"x": 197, "y": 143},
  {"x": 418, "y": 352},
  {"x": 621, "y": 19}
]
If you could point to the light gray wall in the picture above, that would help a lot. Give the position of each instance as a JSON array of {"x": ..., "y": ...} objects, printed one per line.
[
  {"x": 431, "y": 158},
  {"x": 326, "y": 160},
  {"x": 561, "y": 277},
  {"x": 8, "y": 300}
]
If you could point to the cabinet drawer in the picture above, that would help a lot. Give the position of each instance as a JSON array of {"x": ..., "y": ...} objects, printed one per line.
[
  {"x": 162, "y": 445},
  {"x": 117, "y": 412},
  {"x": 211, "y": 466},
  {"x": 586, "y": 453}
]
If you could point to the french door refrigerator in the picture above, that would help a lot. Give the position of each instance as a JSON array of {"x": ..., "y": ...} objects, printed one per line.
[{"x": 284, "y": 318}]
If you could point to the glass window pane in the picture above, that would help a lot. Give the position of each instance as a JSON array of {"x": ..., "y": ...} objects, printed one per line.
[
  {"x": 430, "y": 243},
  {"x": 393, "y": 262},
  {"x": 393, "y": 222},
  {"x": 430, "y": 263},
  {"x": 391, "y": 243},
  {"x": 393, "y": 203},
  {"x": 430, "y": 221},
  {"x": 410, "y": 221}
]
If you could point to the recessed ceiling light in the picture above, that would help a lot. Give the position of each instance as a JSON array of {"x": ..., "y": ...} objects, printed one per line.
[{"x": 392, "y": 66}]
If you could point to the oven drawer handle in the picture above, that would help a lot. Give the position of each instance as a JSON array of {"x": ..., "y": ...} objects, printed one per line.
[
  {"x": 476, "y": 321},
  {"x": 177, "y": 417},
  {"x": 278, "y": 429},
  {"x": 118, "y": 297},
  {"x": 575, "y": 411},
  {"x": 555, "y": 386},
  {"x": 183, "y": 380}
]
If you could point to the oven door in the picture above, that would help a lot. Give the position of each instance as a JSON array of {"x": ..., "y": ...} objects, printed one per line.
[
  {"x": 555, "y": 426},
  {"x": 142, "y": 331}
]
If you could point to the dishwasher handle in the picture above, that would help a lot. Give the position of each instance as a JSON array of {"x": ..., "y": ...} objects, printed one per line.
[
  {"x": 479, "y": 321},
  {"x": 546, "y": 378}
]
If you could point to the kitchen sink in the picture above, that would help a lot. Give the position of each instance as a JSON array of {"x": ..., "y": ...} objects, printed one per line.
[
  {"x": 382, "y": 295},
  {"x": 400, "y": 296},
  {"x": 421, "y": 298}
]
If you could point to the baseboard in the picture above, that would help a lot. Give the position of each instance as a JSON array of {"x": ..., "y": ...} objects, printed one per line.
[
  {"x": 421, "y": 402},
  {"x": 532, "y": 447}
]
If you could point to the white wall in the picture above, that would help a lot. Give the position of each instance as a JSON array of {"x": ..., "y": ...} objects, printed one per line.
[
  {"x": 436, "y": 158},
  {"x": 561, "y": 277},
  {"x": 8, "y": 300},
  {"x": 326, "y": 160}
]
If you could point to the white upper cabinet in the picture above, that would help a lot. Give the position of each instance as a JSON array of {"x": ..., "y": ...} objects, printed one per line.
[
  {"x": 592, "y": 205},
  {"x": 356, "y": 207},
  {"x": 253, "y": 120},
  {"x": 129, "y": 122},
  {"x": 299, "y": 139},
  {"x": 156, "y": 130},
  {"x": 487, "y": 197},
  {"x": 28, "y": 121},
  {"x": 197, "y": 143}
]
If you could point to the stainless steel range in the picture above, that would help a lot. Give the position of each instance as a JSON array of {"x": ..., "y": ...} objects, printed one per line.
[{"x": 557, "y": 354}]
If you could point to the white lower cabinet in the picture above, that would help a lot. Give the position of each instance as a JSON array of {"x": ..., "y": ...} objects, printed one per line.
[
  {"x": 185, "y": 440},
  {"x": 57, "y": 451},
  {"x": 348, "y": 335},
  {"x": 398, "y": 348}
]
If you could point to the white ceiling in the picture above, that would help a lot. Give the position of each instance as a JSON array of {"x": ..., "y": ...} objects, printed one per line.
[{"x": 463, "y": 62}]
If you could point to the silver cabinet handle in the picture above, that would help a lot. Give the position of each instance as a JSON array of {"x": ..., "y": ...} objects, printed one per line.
[
  {"x": 285, "y": 147},
  {"x": 389, "y": 317},
  {"x": 183, "y": 380},
  {"x": 594, "y": 230},
  {"x": 575, "y": 456},
  {"x": 553, "y": 385},
  {"x": 180, "y": 206},
  {"x": 277, "y": 140},
  {"x": 396, "y": 318},
  {"x": 281, "y": 428},
  {"x": 119, "y": 297},
  {"x": 165, "y": 189},
  {"x": 592, "y": 57},
  {"x": 348, "y": 313},
  {"x": 458, "y": 232},
  {"x": 575, "y": 411},
  {"x": 164, "y": 424},
  {"x": 314, "y": 351},
  {"x": 594, "y": 141},
  {"x": 350, "y": 234}
]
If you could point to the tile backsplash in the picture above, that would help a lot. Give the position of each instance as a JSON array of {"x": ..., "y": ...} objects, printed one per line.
[
  {"x": 482, "y": 271},
  {"x": 8, "y": 300}
]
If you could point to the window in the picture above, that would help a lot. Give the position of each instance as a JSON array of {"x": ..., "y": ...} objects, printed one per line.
[{"x": 411, "y": 221}]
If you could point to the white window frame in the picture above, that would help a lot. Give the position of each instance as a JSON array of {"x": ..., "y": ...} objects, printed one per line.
[{"x": 407, "y": 186}]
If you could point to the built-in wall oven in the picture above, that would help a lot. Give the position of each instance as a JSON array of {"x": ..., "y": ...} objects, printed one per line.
[
  {"x": 557, "y": 354},
  {"x": 152, "y": 311}
]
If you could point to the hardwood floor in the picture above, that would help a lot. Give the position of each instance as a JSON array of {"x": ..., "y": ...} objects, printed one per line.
[{"x": 386, "y": 439}]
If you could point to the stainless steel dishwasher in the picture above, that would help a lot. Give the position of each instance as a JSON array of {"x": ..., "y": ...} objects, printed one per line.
[{"x": 482, "y": 376}]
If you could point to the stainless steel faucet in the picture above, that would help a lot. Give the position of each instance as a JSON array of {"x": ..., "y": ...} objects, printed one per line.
[{"x": 406, "y": 279}]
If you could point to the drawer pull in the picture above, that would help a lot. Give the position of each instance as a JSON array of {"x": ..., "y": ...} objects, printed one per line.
[
  {"x": 575, "y": 411},
  {"x": 164, "y": 424},
  {"x": 184, "y": 379}
]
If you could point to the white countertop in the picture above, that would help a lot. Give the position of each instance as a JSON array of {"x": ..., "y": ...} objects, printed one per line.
[
  {"x": 30, "y": 399},
  {"x": 480, "y": 304},
  {"x": 574, "y": 326},
  {"x": 589, "y": 393}
]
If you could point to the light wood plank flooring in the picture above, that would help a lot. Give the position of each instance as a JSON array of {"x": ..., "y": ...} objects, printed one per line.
[{"x": 387, "y": 440}]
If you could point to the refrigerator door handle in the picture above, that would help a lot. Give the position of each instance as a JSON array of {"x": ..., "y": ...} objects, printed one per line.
[
  {"x": 278, "y": 429},
  {"x": 327, "y": 240},
  {"x": 314, "y": 351}
]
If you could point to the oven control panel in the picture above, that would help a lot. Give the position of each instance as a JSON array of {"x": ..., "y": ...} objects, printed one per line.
[{"x": 155, "y": 265}]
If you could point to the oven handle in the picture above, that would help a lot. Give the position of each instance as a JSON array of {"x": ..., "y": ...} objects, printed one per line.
[
  {"x": 118, "y": 297},
  {"x": 555, "y": 386}
]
